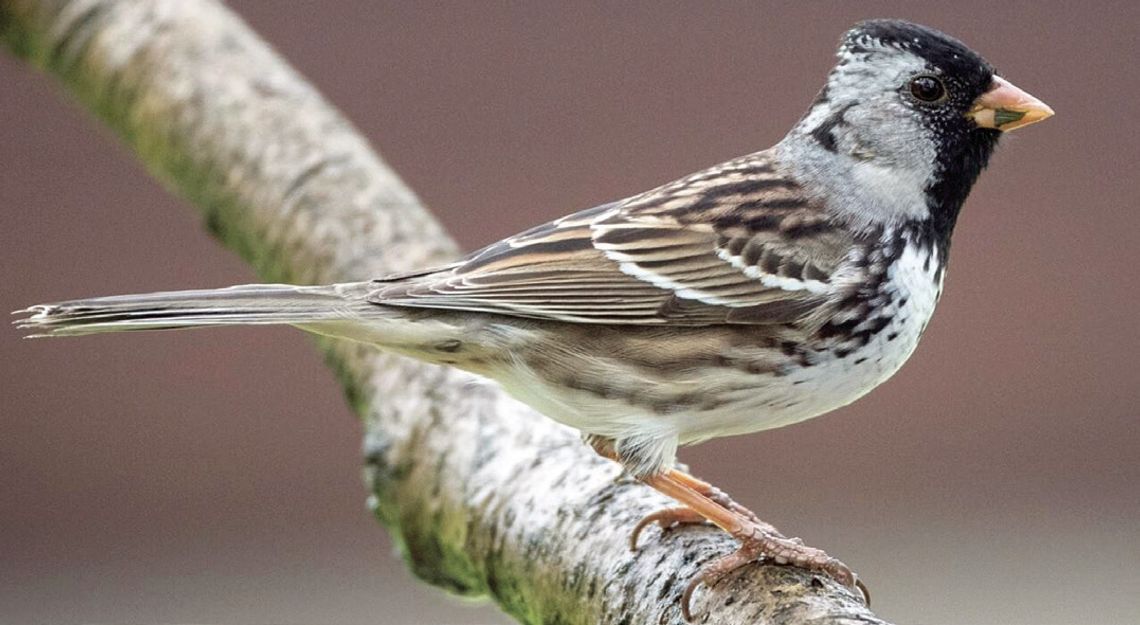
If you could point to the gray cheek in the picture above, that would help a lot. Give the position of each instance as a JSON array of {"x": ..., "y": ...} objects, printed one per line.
[{"x": 893, "y": 135}]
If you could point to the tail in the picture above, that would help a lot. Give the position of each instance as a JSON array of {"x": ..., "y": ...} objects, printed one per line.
[{"x": 235, "y": 305}]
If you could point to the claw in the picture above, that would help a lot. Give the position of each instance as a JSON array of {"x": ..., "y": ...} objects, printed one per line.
[
  {"x": 712, "y": 574},
  {"x": 687, "y": 599},
  {"x": 665, "y": 519},
  {"x": 839, "y": 571},
  {"x": 843, "y": 574},
  {"x": 863, "y": 590}
]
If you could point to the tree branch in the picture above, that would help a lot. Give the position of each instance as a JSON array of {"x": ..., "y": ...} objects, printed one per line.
[{"x": 483, "y": 495}]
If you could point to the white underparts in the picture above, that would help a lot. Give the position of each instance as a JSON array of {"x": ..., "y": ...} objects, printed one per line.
[{"x": 756, "y": 401}]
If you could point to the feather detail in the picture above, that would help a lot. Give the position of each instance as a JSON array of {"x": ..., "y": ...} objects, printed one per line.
[
  {"x": 737, "y": 243},
  {"x": 249, "y": 304}
]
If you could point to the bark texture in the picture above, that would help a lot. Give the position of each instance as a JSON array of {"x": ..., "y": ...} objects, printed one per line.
[{"x": 483, "y": 495}]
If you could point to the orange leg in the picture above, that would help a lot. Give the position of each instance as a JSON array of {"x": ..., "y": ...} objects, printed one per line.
[
  {"x": 672, "y": 517},
  {"x": 758, "y": 539},
  {"x": 717, "y": 495},
  {"x": 703, "y": 502}
]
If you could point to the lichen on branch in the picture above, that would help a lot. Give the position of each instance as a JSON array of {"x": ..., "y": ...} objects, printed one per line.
[{"x": 483, "y": 495}]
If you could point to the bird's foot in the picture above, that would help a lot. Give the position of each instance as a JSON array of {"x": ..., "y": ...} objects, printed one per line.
[
  {"x": 758, "y": 540},
  {"x": 757, "y": 543}
]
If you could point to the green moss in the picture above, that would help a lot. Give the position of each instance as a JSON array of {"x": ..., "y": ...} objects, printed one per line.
[{"x": 18, "y": 40}]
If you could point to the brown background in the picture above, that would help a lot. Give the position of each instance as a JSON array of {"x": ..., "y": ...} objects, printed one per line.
[{"x": 214, "y": 477}]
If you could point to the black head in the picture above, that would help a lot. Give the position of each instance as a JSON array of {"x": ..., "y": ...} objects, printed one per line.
[
  {"x": 893, "y": 121},
  {"x": 956, "y": 77}
]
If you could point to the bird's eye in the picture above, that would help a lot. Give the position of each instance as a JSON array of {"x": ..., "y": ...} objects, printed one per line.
[{"x": 927, "y": 89}]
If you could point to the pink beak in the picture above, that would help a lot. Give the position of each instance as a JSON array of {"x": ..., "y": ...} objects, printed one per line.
[{"x": 1005, "y": 107}]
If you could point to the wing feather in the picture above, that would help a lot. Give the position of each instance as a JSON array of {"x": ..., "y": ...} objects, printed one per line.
[{"x": 738, "y": 243}]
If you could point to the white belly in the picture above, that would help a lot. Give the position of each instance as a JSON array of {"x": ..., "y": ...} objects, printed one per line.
[{"x": 758, "y": 402}]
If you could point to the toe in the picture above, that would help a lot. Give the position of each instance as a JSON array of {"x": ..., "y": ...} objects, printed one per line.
[
  {"x": 664, "y": 519},
  {"x": 687, "y": 599}
]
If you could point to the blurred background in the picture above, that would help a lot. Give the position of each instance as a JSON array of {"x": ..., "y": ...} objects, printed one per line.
[{"x": 214, "y": 477}]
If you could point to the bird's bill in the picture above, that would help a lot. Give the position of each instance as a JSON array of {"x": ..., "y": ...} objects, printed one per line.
[{"x": 1005, "y": 107}]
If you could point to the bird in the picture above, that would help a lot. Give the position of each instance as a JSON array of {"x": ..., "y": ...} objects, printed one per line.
[{"x": 754, "y": 294}]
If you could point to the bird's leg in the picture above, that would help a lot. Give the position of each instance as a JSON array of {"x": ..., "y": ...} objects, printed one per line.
[
  {"x": 717, "y": 495},
  {"x": 672, "y": 517},
  {"x": 757, "y": 540},
  {"x": 702, "y": 503}
]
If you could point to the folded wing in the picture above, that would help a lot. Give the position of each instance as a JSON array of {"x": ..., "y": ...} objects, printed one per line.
[{"x": 738, "y": 243}]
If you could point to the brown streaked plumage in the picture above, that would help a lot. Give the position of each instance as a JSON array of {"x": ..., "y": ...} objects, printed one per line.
[
  {"x": 761, "y": 292},
  {"x": 691, "y": 252}
]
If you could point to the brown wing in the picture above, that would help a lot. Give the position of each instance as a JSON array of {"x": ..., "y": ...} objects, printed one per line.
[{"x": 737, "y": 243}]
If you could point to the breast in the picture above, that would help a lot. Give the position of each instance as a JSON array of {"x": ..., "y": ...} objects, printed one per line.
[
  {"x": 911, "y": 290},
  {"x": 841, "y": 368}
]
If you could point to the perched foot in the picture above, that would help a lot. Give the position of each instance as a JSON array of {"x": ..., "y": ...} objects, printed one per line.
[
  {"x": 758, "y": 540},
  {"x": 757, "y": 544}
]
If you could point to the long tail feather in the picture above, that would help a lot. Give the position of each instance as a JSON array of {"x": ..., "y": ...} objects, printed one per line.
[{"x": 245, "y": 304}]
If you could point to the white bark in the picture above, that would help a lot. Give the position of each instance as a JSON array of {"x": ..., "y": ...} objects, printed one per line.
[{"x": 483, "y": 495}]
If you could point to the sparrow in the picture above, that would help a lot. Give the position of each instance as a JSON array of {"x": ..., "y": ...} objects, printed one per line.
[{"x": 751, "y": 295}]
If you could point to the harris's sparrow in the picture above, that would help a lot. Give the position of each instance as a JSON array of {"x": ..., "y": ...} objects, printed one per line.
[{"x": 754, "y": 294}]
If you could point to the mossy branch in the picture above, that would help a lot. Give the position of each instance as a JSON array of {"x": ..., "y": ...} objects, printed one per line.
[{"x": 484, "y": 496}]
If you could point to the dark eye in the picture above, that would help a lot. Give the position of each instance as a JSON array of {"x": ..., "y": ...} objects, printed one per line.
[{"x": 927, "y": 89}]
